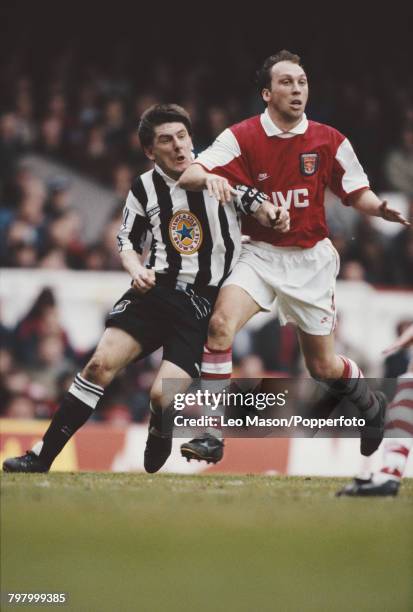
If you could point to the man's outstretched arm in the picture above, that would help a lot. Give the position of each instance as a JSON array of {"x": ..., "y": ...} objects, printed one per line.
[
  {"x": 368, "y": 203},
  {"x": 196, "y": 178}
]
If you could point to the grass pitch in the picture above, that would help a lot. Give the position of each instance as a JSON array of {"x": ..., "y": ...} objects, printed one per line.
[{"x": 120, "y": 542}]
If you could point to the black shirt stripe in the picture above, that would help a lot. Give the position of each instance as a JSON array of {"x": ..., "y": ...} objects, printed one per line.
[
  {"x": 138, "y": 232},
  {"x": 228, "y": 242},
  {"x": 173, "y": 258},
  {"x": 139, "y": 192},
  {"x": 152, "y": 259},
  {"x": 196, "y": 204}
]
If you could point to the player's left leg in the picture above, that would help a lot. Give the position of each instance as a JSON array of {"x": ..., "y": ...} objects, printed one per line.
[
  {"x": 115, "y": 350},
  {"x": 344, "y": 378},
  {"x": 305, "y": 290}
]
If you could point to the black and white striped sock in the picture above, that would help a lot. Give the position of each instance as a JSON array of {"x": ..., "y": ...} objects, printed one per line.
[
  {"x": 75, "y": 409},
  {"x": 85, "y": 391}
]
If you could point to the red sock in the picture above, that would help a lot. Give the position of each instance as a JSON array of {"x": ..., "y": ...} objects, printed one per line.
[
  {"x": 216, "y": 373},
  {"x": 216, "y": 365}
]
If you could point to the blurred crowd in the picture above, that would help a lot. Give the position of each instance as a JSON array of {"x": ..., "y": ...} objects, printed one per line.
[{"x": 84, "y": 116}]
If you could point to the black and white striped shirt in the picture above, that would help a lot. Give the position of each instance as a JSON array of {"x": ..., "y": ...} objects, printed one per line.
[{"x": 195, "y": 239}]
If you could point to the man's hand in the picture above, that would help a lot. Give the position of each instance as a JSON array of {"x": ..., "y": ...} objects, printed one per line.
[
  {"x": 391, "y": 214},
  {"x": 143, "y": 280},
  {"x": 403, "y": 341},
  {"x": 219, "y": 188},
  {"x": 271, "y": 216},
  {"x": 368, "y": 203}
]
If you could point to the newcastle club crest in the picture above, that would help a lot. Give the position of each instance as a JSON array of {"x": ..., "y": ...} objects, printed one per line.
[
  {"x": 185, "y": 232},
  {"x": 309, "y": 163}
]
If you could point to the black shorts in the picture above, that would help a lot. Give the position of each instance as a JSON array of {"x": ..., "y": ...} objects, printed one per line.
[{"x": 176, "y": 319}]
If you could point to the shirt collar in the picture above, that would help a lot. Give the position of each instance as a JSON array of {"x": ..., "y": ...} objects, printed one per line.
[
  {"x": 168, "y": 180},
  {"x": 273, "y": 130}
]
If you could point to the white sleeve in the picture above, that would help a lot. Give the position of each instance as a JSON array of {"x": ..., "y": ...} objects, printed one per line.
[
  {"x": 353, "y": 177},
  {"x": 222, "y": 151}
]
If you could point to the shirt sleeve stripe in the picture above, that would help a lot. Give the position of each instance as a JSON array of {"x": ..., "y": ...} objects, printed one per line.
[{"x": 354, "y": 177}]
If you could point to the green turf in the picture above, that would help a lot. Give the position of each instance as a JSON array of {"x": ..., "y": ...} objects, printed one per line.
[{"x": 121, "y": 542}]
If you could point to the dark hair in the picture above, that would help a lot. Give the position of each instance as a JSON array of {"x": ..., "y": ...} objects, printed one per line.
[
  {"x": 263, "y": 79},
  {"x": 156, "y": 115}
]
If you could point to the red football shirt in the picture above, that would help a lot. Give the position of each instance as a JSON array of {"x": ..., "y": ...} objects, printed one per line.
[{"x": 294, "y": 169}]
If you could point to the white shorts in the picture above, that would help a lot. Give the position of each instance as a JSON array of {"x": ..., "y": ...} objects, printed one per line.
[{"x": 303, "y": 280}]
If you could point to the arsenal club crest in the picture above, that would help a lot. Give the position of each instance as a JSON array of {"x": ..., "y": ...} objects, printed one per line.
[{"x": 309, "y": 163}]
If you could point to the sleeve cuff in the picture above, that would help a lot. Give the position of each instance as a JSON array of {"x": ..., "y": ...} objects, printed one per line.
[{"x": 352, "y": 193}]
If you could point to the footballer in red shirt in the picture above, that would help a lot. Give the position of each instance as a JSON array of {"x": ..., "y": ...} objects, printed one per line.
[{"x": 293, "y": 161}]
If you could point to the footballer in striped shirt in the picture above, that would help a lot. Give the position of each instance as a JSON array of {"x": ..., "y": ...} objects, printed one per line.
[{"x": 195, "y": 244}]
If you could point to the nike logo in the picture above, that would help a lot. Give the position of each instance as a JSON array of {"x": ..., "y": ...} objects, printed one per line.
[{"x": 262, "y": 176}]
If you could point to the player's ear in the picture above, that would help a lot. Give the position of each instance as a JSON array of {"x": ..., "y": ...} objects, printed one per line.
[
  {"x": 149, "y": 152},
  {"x": 266, "y": 94}
]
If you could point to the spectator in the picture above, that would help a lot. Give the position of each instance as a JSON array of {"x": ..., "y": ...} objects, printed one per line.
[
  {"x": 352, "y": 271},
  {"x": 64, "y": 233},
  {"x": 400, "y": 258},
  {"x": 20, "y": 406},
  {"x": 50, "y": 364},
  {"x": 277, "y": 346},
  {"x": 396, "y": 364},
  {"x": 398, "y": 165},
  {"x": 114, "y": 124},
  {"x": 26, "y": 126},
  {"x": 123, "y": 176},
  {"x": 60, "y": 196},
  {"x": 11, "y": 146},
  {"x": 51, "y": 137},
  {"x": 41, "y": 320}
]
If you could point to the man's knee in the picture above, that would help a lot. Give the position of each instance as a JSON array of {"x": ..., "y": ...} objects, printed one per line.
[
  {"x": 221, "y": 330},
  {"x": 98, "y": 370}
]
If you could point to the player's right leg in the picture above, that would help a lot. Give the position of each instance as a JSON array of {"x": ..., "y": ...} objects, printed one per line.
[
  {"x": 233, "y": 308},
  {"x": 115, "y": 350},
  {"x": 159, "y": 442}
]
